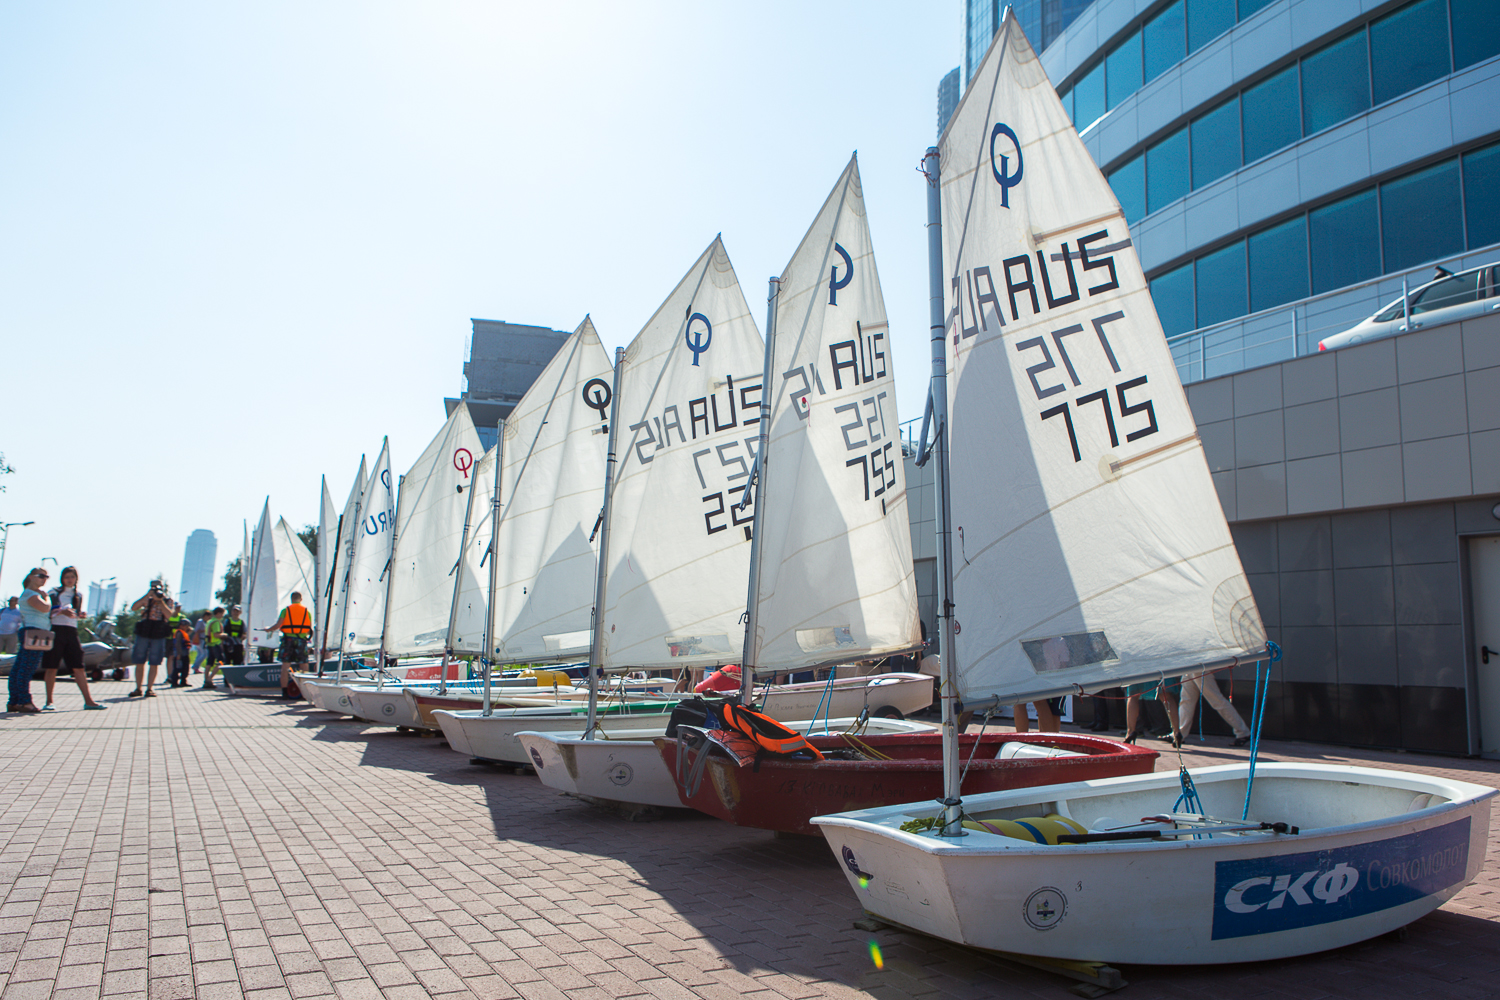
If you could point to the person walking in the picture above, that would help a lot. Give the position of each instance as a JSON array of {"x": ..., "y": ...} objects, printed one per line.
[
  {"x": 10, "y": 622},
  {"x": 295, "y": 626},
  {"x": 33, "y": 638},
  {"x": 1209, "y": 685},
  {"x": 151, "y": 634},
  {"x": 66, "y": 652},
  {"x": 182, "y": 652},
  {"x": 213, "y": 631},
  {"x": 200, "y": 642}
]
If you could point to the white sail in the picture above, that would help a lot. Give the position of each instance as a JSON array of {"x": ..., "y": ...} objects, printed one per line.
[
  {"x": 679, "y": 554},
  {"x": 551, "y": 491},
  {"x": 261, "y": 603},
  {"x": 328, "y": 526},
  {"x": 467, "y": 627},
  {"x": 835, "y": 581},
  {"x": 430, "y": 522},
  {"x": 1089, "y": 547},
  {"x": 294, "y": 565},
  {"x": 343, "y": 548},
  {"x": 364, "y": 611}
]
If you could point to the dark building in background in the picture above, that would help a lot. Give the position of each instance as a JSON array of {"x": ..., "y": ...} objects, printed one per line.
[
  {"x": 1042, "y": 20},
  {"x": 504, "y": 359},
  {"x": 949, "y": 91}
]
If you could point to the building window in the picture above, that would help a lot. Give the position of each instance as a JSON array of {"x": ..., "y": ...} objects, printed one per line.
[
  {"x": 1216, "y": 143},
  {"x": 1221, "y": 285},
  {"x": 1129, "y": 184},
  {"x": 1088, "y": 98},
  {"x": 1344, "y": 242},
  {"x": 1335, "y": 83},
  {"x": 1122, "y": 70},
  {"x": 1482, "y": 195},
  {"x": 1278, "y": 264},
  {"x": 1164, "y": 41},
  {"x": 1420, "y": 218},
  {"x": 1409, "y": 48},
  {"x": 1270, "y": 114},
  {"x": 1476, "y": 31},
  {"x": 1248, "y": 7},
  {"x": 1167, "y": 170},
  {"x": 1207, "y": 20},
  {"x": 1172, "y": 293},
  {"x": 1067, "y": 102}
]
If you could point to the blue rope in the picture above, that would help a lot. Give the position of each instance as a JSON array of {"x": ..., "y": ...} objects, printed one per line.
[
  {"x": 827, "y": 695},
  {"x": 1262, "y": 690},
  {"x": 1189, "y": 796}
]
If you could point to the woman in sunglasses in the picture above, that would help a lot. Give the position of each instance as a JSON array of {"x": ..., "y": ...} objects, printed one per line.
[{"x": 36, "y": 615}]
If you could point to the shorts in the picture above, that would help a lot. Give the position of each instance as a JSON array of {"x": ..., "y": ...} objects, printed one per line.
[
  {"x": 150, "y": 651},
  {"x": 8, "y": 643},
  {"x": 294, "y": 649},
  {"x": 232, "y": 652},
  {"x": 1147, "y": 689},
  {"x": 215, "y": 654},
  {"x": 66, "y": 653}
]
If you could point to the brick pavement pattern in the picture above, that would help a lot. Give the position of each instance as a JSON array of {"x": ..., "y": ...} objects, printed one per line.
[{"x": 196, "y": 845}]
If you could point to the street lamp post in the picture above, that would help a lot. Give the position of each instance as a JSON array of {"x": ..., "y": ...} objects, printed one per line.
[{"x": 5, "y": 536}]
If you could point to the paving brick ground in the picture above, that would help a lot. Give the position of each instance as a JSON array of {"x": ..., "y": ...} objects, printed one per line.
[{"x": 200, "y": 846}]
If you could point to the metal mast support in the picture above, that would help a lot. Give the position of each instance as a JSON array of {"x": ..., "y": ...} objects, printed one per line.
[
  {"x": 354, "y": 533},
  {"x": 596, "y": 641},
  {"x": 458, "y": 580},
  {"x": 390, "y": 576},
  {"x": 318, "y": 603},
  {"x": 757, "y": 481},
  {"x": 488, "y": 658},
  {"x": 947, "y": 682}
]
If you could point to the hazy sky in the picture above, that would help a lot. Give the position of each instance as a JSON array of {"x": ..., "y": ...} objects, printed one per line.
[{"x": 240, "y": 242}]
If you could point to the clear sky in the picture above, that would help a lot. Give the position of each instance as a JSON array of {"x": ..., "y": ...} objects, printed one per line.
[{"x": 240, "y": 242}]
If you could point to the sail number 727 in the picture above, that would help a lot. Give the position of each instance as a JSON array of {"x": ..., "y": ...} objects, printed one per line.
[{"x": 1133, "y": 409}]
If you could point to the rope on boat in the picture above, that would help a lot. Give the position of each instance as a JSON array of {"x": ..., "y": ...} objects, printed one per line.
[
  {"x": 979, "y": 738},
  {"x": 1262, "y": 690}
]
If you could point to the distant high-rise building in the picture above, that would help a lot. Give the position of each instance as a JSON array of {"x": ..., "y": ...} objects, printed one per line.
[
  {"x": 198, "y": 570},
  {"x": 1042, "y": 20},
  {"x": 949, "y": 91},
  {"x": 102, "y": 598},
  {"x": 504, "y": 359}
]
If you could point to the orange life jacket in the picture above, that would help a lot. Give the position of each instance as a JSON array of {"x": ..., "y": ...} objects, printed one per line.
[
  {"x": 293, "y": 624},
  {"x": 767, "y": 733}
]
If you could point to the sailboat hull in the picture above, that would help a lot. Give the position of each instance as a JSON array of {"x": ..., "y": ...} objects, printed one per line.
[
  {"x": 493, "y": 737},
  {"x": 785, "y": 794},
  {"x": 628, "y": 769},
  {"x": 1376, "y": 850}
]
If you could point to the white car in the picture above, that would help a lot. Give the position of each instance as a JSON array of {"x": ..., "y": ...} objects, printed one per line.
[{"x": 1447, "y": 298}]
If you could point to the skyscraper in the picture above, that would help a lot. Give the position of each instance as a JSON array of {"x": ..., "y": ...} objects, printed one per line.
[
  {"x": 949, "y": 91},
  {"x": 504, "y": 359},
  {"x": 198, "y": 570}
]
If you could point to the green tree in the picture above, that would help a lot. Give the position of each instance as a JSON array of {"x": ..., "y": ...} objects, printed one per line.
[
  {"x": 125, "y": 623},
  {"x": 309, "y": 536},
  {"x": 5, "y": 470},
  {"x": 229, "y": 594}
]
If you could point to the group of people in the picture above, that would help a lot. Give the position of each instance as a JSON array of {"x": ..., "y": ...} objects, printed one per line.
[
  {"x": 46, "y": 639},
  {"x": 165, "y": 635}
]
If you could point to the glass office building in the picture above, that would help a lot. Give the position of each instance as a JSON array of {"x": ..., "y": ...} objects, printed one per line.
[{"x": 1285, "y": 167}]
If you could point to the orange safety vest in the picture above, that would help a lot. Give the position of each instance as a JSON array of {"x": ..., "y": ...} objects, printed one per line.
[
  {"x": 291, "y": 625},
  {"x": 767, "y": 733}
]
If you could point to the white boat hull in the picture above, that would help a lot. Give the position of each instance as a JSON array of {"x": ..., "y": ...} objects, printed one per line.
[
  {"x": 1377, "y": 849},
  {"x": 385, "y": 706},
  {"x": 628, "y": 769},
  {"x": 493, "y": 737}
]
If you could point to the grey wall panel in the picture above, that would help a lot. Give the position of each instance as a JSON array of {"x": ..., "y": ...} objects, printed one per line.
[
  {"x": 1212, "y": 401},
  {"x": 1312, "y": 429},
  {"x": 1423, "y": 534},
  {"x": 1224, "y": 485},
  {"x": 1218, "y": 445},
  {"x": 1258, "y": 439},
  {"x": 1310, "y": 655},
  {"x": 1361, "y": 538},
  {"x": 1484, "y": 461},
  {"x": 1474, "y": 96},
  {"x": 1304, "y": 543},
  {"x": 1367, "y": 654},
  {"x": 1335, "y": 159},
  {"x": 1482, "y": 389},
  {"x": 1427, "y": 594},
  {"x": 1257, "y": 391},
  {"x": 1258, "y": 546},
  {"x": 1369, "y": 419},
  {"x": 1481, "y": 342},
  {"x": 1260, "y": 491},
  {"x": 1477, "y": 516},
  {"x": 1373, "y": 477},
  {"x": 1426, "y": 354},
  {"x": 1409, "y": 129},
  {"x": 1310, "y": 379},
  {"x": 1434, "y": 408},
  {"x": 1367, "y": 366},
  {"x": 1364, "y": 596},
  {"x": 1314, "y": 484},
  {"x": 1436, "y": 468},
  {"x": 1312, "y": 19},
  {"x": 1430, "y": 655},
  {"x": 1307, "y": 599}
]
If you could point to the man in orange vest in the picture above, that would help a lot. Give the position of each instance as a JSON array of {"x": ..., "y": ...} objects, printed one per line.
[{"x": 295, "y": 626}]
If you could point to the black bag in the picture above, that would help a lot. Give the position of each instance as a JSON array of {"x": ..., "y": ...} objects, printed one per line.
[{"x": 695, "y": 711}]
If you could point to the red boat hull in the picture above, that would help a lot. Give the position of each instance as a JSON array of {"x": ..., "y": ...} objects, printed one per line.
[{"x": 785, "y": 794}]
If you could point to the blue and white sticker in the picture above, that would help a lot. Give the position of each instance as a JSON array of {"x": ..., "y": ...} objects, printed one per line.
[{"x": 1262, "y": 895}]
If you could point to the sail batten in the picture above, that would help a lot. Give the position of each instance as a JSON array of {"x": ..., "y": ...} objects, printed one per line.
[{"x": 1090, "y": 546}]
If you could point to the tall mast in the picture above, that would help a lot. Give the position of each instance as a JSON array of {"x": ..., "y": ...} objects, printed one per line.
[
  {"x": 390, "y": 574},
  {"x": 596, "y": 641},
  {"x": 947, "y": 682},
  {"x": 757, "y": 483},
  {"x": 458, "y": 579},
  {"x": 359, "y": 506},
  {"x": 488, "y": 658},
  {"x": 318, "y": 557}
]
